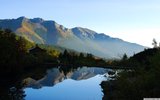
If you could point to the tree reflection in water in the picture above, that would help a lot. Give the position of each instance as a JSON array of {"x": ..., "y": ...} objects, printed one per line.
[{"x": 13, "y": 88}]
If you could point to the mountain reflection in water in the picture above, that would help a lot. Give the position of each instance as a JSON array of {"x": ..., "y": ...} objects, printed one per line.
[{"x": 63, "y": 84}]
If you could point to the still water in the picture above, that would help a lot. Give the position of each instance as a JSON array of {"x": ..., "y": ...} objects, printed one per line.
[{"x": 63, "y": 84}]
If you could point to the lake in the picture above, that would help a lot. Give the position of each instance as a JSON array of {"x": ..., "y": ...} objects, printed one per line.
[{"x": 66, "y": 84}]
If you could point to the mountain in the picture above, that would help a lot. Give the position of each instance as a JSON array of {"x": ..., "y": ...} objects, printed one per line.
[{"x": 80, "y": 39}]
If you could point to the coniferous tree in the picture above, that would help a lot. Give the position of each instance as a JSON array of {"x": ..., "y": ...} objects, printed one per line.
[{"x": 154, "y": 43}]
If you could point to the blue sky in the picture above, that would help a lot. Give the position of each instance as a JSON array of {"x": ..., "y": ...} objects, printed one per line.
[{"x": 132, "y": 20}]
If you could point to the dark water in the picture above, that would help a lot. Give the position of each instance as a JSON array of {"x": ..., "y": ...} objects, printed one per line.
[{"x": 76, "y": 84}]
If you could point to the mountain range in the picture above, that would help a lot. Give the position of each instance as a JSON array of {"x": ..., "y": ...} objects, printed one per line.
[{"x": 80, "y": 39}]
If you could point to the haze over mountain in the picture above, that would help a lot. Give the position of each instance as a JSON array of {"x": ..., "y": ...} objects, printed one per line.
[{"x": 80, "y": 39}]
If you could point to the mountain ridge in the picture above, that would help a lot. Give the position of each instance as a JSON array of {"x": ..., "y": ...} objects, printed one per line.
[{"x": 80, "y": 39}]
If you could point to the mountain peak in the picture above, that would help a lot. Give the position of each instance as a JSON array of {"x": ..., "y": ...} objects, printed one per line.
[
  {"x": 83, "y": 32},
  {"x": 22, "y": 18},
  {"x": 37, "y": 20}
]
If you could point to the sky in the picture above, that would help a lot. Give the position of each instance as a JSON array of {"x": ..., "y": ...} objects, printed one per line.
[{"x": 136, "y": 21}]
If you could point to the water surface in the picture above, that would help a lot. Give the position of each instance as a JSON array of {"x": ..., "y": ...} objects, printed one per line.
[{"x": 63, "y": 84}]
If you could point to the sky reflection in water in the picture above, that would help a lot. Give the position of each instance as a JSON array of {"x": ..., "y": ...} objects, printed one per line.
[{"x": 86, "y": 88}]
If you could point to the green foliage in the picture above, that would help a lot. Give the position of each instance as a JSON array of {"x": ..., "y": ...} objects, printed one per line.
[
  {"x": 124, "y": 57},
  {"x": 13, "y": 51},
  {"x": 51, "y": 50},
  {"x": 74, "y": 59},
  {"x": 15, "y": 55}
]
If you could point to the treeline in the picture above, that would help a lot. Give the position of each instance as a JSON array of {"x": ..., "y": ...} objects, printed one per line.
[
  {"x": 13, "y": 51},
  {"x": 79, "y": 59},
  {"x": 138, "y": 83},
  {"x": 15, "y": 55},
  {"x": 18, "y": 54}
]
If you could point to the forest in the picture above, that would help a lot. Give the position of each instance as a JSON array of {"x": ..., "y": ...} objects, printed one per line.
[{"x": 19, "y": 54}]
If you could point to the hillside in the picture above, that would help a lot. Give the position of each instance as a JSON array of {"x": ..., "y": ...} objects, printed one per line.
[
  {"x": 80, "y": 39},
  {"x": 142, "y": 82}
]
